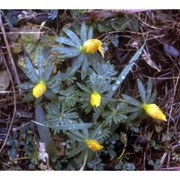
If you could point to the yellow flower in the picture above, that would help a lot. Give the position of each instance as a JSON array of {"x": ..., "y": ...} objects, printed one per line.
[
  {"x": 93, "y": 45},
  {"x": 39, "y": 89},
  {"x": 93, "y": 144},
  {"x": 154, "y": 111},
  {"x": 95, "y": 99}
]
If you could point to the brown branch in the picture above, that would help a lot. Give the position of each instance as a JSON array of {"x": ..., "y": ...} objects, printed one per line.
[
  {"x": 9, "y": 52},
  {"x": 14, "y": 96}
]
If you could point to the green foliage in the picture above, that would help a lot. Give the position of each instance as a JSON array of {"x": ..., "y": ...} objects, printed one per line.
[
  {"x": 147, "y": 97},
  {"x": 21, "y": 142},
  {"x": 57, "y": 114},
  {"x": 119, "y": 23},
  {"x": 75, "y": 44},
  {"x": 69, "y": 97},
  {"x": 116, "y": 114},
  {"x": 81, "y": 136},
  {"x": 41, "y": 72},
  {"x": 69, "y": 112},
  {"x": 125, "y": 71}
]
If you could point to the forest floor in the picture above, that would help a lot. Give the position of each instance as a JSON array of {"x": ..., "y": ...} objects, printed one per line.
[{"x": 155, "y": 145}]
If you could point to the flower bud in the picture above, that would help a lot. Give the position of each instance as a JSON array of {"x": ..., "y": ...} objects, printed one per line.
[
  {"x": 39, "y": 89},
  {"x": 154, "y": 111},
  {"x": 95, "y": 99},
  {"x": 93, "y": 45},
  {"x": 93, "y": 144}
]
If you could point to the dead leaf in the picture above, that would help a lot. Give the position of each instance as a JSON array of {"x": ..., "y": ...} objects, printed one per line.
[
  {"x": 146, "y": 57},
  {"x": 4, "y": 80},
  {"x": 31, "y": 33}
]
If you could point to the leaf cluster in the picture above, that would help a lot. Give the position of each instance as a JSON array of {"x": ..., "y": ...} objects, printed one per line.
[{"x": 69, "y": 110}]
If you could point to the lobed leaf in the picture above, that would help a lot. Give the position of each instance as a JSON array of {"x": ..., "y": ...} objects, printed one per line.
[
  {"x": 40, "y": 65},
  {"x": 66, "y": 41},
  {"x": 131, "y": 100},
  {"x": 67, "y": 52},
  {"x": 30, "y": 71},
  {"x": 126, "y": 70},
  {"x": 83, "y": 33},
  {"x": 69, "y": 127},
  {"x": 142, "y": 90},
  {"x": 75, "y": 39},
  {"x": 26, "y": 85},
  {"x": 48, "y": 70},
  {"x": 90, "y": 33},
  {"x": 76, "y": 151},
  {"x": 149, "y": 90}
]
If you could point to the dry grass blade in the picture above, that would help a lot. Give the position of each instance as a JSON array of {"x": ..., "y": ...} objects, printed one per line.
[{"x": 146, "y": 57}]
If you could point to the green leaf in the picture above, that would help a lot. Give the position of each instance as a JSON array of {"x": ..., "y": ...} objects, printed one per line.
[
  {"x": 68, "y": 78},
  {"x": 69, "y": 97},
  {"x": 149, "y": 89},
  {"x": 115, "y": 115},
  {"x": 26, "y": 85},
  {"x": 77, "y": 133},
  {"x": 75, "y": 151},
  {"x": 75, "y": 137},
  {"x": 30, "y": 71},
  {"x": 99, "y": 133},
  {"x": 133, "y": 109},
  {"x": 44, "y": 132},
  {"x": 69, "y": 127},
  {"x": 28, "y": 97},
  {"x": 75, "y": 39},
  {"x": 48, "y": 70},
  {"x": 153, "y": 97},
  {"x": 105, "y": 70},
  {"x": 67, "y": 52},
  {"x": 142, "y": 90},
  {"x": 77, "y": 63},
  {"x": 85, "y": 68},
  {"x": 83, "y": 33},
  {"x": 125, "y": 71},
  {"x": 132, "y": 100},
  {"x": 49, "y": 94},
  {"x": 59, "y": 115},
  {"x": 33, "y": 50},
  {"x": 37, "y": 101},
  {"x": 134, "y": 115},
  {"x": 85, "y": 133},
  {"x": 84, "y": 88},
  {"x": 102, "y": 135},
  {"x": 54, "y": 83},
  {"x": 40, "y": 65},
  {"x": 66, "y": 41},
  {"x": 104, "y": 27},
  {"x": 90, "y": 33}
]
